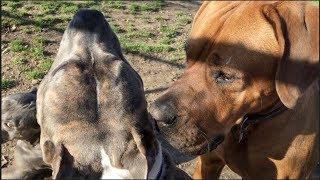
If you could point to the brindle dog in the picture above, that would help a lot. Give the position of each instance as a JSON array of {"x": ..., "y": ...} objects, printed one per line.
[{"x": 92, "y": 110}]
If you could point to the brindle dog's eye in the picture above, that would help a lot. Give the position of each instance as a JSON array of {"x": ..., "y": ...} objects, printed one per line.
[{"x": 221, "y": 77}]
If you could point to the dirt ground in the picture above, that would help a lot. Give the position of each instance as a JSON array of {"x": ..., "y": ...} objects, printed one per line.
[{"x": 159, "y": 61}]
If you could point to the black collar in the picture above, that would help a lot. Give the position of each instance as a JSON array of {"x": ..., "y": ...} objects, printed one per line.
[
  {"x": 256, "y": 118},
  {"x": 157, "y": 168}
]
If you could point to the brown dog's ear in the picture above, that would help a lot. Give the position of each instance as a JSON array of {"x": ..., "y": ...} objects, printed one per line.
[
  {"x": 60, "y": 160},
  {"x": 296, "y": 25}
]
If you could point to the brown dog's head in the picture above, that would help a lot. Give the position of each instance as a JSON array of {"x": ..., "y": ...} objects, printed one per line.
[{"x": 242, "y": 57}]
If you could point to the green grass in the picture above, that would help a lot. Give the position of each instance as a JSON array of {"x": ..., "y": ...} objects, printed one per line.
[
  {"x": 17, "y": 45},
  {"x": 37, "y": 49},
  {"x": 13, "y": 5},
  {"x": 90, "y": 3},
  {"x": 116, "y": 5},
  {"x": 159, "y": 18},
  {"x": 154, "y": 6},
  {"x": 8, "y": 21},
  {"x": 179, "y": 14},
  {"x": 133, "y": 47},
  {"x": 46, "y": 64},
  {"x": 134, "y": 8},
  {"x": 178, "y": 56},
  {"x": 47, "y": 21},
  {"x": 116, "y": 28},
  {"x": 35, "y": 74},
  {"x": 185, "y": 20},
  {"x": 169, "y": 31},
  {"x": 19, "y": 61},
  {"x": 131, "y": 27},
  {"x": 7, "y": 84},
  {"x": 26, "y": 30},
  {"x": 167, "y": 40},
  {"x": 68, "y": 8},
  {"x": 36, "y": 54},
  {"x": 144, "y": 33},
  {"x": 49, "y": 7},
  {"x": 22, "y": 12}
]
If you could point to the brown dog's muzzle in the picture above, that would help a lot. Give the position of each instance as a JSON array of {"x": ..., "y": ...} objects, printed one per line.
[
  {"x": 180, "y": 124},
  {"x": 164, "y": 113},
  {"x": 184, "y": 114}
]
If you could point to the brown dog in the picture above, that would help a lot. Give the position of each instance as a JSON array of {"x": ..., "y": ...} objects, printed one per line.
[{"x": 252, "y": 76}]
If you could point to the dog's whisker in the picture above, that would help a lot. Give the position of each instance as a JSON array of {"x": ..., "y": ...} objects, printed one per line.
[
  {"x": 204, "y": 135},
  {"x": 229, "y": 60}
]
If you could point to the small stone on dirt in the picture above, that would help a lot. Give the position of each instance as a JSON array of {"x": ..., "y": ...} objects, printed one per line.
[
  {"x": 13, "y": 28},
  {"x": 5, "y": 50},
  {"x": 35, "y": 81}
]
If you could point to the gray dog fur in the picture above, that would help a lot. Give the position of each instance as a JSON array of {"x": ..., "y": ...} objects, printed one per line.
[
  {"x": 91, "y": 99},
  {"x": 18, "y": 117},
  {"x": 27, "y": 164}
]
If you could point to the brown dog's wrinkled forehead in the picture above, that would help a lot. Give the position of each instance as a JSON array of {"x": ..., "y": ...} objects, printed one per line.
[{"x": 230, "y": 28}]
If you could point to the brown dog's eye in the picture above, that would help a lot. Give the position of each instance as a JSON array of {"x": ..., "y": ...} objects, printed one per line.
[{"x": 221, "y": 77}]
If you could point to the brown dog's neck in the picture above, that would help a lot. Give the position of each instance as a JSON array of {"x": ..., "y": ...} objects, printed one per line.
[{"x": 252, "y": 119}]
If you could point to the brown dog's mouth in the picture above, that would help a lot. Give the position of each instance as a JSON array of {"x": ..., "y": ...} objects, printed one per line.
[
  {"x": 216, "y": 141},
  {"x": 195, "y": 149},
  {"x": 206, "y": 146}
]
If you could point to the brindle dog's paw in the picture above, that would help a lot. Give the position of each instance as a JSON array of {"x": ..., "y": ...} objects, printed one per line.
[
  {"x": 18, "y": 117},
  {"x": 27, "y": 164}
]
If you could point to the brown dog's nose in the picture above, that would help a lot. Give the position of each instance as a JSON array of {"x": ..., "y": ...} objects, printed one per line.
[{"x": 163, "y": 113}]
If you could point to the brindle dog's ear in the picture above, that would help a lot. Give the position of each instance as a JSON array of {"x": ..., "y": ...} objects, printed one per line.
[
  {"x": 60, "y": 160},
  {"x": 296, "y": 25},
  {"x": 146, "y": 144}
]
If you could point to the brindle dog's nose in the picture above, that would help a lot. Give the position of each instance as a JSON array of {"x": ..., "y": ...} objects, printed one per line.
[{"x": 163, "y": 113}]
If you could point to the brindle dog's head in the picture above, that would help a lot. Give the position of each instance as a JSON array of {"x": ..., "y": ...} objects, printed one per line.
[
  {"x": 241, "y": 58},
  {"x": 18, "y": 117},
  {"x": 92, "y": 101}
]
